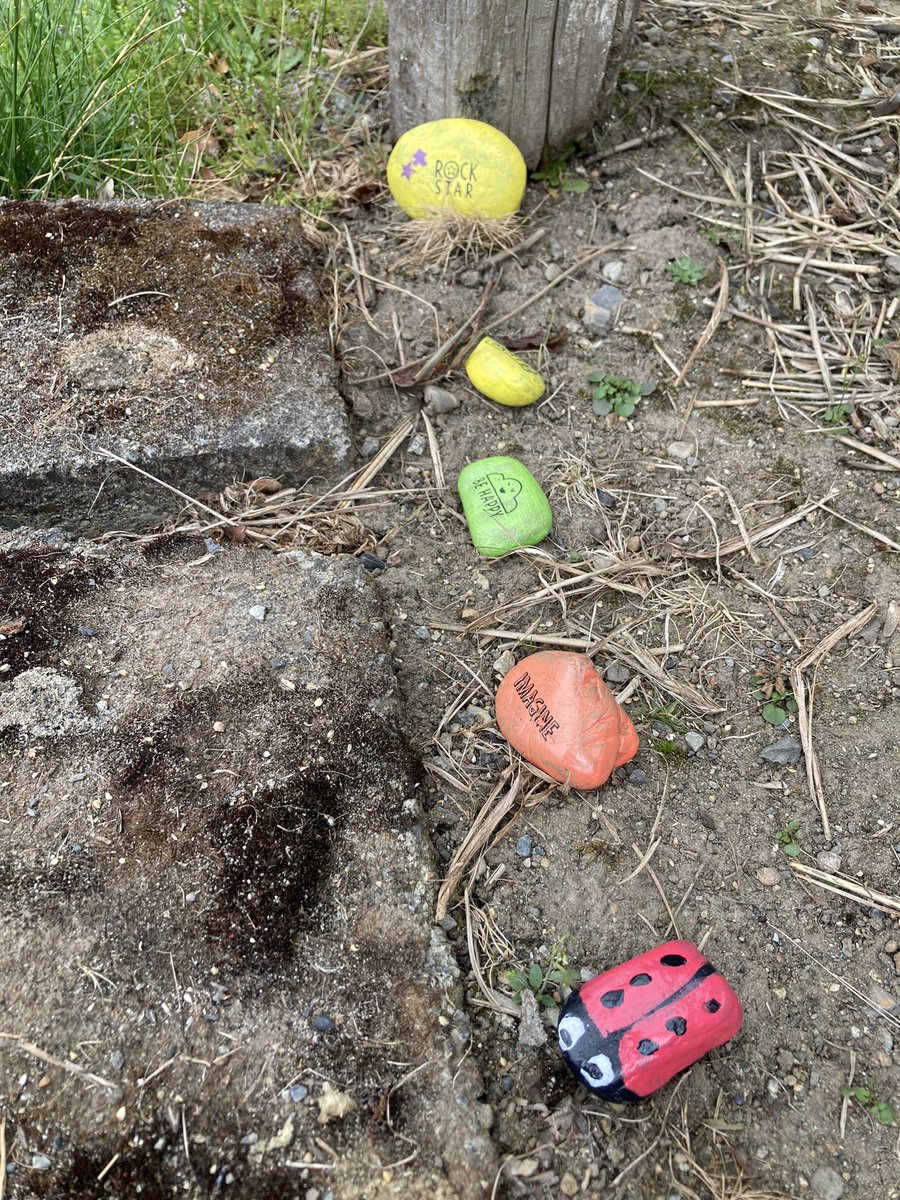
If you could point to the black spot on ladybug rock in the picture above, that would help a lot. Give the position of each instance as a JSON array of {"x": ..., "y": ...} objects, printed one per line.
[
  {"x": 673, "y": 960},
  {"x": 712, "y": 1006},
  {"x": 639, "y": 980},
  {"x": 612, "y": 999},
  {"x": 647, "y": 1047},
  {"x": 677, "y": 1025}
]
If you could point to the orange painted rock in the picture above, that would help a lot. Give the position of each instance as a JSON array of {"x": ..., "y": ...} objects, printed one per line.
[{"x": 559, "y": 714}]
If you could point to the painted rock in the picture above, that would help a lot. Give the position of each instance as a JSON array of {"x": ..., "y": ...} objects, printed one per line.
[
  {"x": 559, "y": 714},
  {"x": 504, "y": 505},
  {"x": 627, "y": 1032},
  {"x": 456, "y": 165},
  {"x": 503, "y": 376}
]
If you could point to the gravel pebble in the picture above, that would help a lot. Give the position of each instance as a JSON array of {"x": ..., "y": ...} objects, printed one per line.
[
  {"x": 680, "y": 449},
  {"x": 601, "y": 306},
  {"x": 828, "y": 860},
  {"x": 637, "y": 776},
  {"x": 552, "y": 271},
  {"x": 504, "y": 662},
  {"x": 768, "y": 876},
  {"x": 523, "y": 846},
  {"x": 696, "y": 741},
  {"x": 323, "y": 1024},
  {"x": 370, "y": 447},
  {"x": 439, "y": 400},
  {"x": 892, "y": 263},
  {"x": 613, "y": 271},
  {"x": 41, "y": 1162},
  {"x": 617, "y": 673},
  {"x": 257, "y": 612},
  {"x": 783, "y": 752},
  {"x": 827, "y": 1184}
]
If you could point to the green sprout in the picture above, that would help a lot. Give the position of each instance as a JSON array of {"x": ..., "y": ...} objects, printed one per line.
[
  {"x": 556, "y": 175},
  {"x": 883, "y": 1112},
  {"x": 787, "y": 839},
  {"x": 544, "y": 982},
  {"x": 776, "y": 698},
  {"x": 617, "y": 393},
  {"x": 837, "y": 412},
  {"x": 685, "y": 270}
]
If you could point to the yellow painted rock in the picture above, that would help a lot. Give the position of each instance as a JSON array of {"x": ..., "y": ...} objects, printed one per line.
[
  {"x": 456, "y": 165},
  {"x": 503, "y": 376}
]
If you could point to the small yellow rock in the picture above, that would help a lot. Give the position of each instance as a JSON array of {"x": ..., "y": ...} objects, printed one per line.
[
  {"x": 503, "y": 376},
  {"x": 456, "y": 165}
]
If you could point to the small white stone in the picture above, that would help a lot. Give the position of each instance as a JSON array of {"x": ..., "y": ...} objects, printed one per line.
[
  {"x": 768, "y": 876},
  {"x": 258, "y": 612},
  {"x": 826, "y": 1184},
  {"x": 828, "y": 860},
  {"x": 680, "y": 449}
]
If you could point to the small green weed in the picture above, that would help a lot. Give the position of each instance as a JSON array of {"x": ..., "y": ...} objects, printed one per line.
[
  {"x": 544, "y": 981},
  {"x": 776, "y": 697},
  {"x": 883, "y": 1112},
  {"x": 669, "y": 749},
  {"x": 685, "y": 270},
  {"x": 788, "y": 840},
  {"x": 667, "y": 714},
  {"x": 837, "y": 412},
  {"x": 712, "y": 235},
  {"x": 616, "y": 393},
  {"x": 555, "y": 175}
]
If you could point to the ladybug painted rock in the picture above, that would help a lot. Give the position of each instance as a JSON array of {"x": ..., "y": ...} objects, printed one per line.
[{"x": 627, "y": 1032}]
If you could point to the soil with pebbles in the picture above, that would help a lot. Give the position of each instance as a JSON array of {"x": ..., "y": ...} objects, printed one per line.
[{"x": 819, "y": 976}]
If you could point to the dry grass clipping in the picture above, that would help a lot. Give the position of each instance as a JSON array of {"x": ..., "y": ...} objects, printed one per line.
[{"x": 448, "y": 236}]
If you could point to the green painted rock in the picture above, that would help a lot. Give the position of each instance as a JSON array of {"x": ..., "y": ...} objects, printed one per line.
[{"x": 504, "y": 505}]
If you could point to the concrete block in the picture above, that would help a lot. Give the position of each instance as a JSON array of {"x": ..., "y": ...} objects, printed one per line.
[
  {"x": 189, "y": 339},
  {"x": 215, "y": 895}
]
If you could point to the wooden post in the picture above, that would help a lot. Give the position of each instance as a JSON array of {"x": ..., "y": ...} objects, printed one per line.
[{"x": 543, "y": 71}]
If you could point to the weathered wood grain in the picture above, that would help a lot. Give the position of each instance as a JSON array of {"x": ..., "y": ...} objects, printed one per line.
[{"x": 541, "y": 70}]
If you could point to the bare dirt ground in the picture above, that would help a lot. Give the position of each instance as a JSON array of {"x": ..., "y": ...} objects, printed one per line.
[
  {"x": 736, "y": 535},
  {"x": 774, "y": 170}
]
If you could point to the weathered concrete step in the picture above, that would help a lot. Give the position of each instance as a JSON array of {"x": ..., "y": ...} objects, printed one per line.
[
  {"x": 190, "y": 339},
  {"x": 215, "y": 896}
]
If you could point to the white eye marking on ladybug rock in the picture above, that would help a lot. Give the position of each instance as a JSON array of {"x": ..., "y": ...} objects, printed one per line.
[
  {"x": 598, "y": 1071},
  {"x": 570, "y": 1030}
]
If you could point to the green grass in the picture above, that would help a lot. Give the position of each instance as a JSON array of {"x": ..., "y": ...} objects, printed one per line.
[{"x": 98, "y": 89}]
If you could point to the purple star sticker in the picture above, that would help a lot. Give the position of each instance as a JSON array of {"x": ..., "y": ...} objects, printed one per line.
[
  {"x": 407, "y": 170},
  {"x": 419, "y": 158}
]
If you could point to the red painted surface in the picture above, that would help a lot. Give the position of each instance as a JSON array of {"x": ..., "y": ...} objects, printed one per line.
[{"x": 556, "y": 710}]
